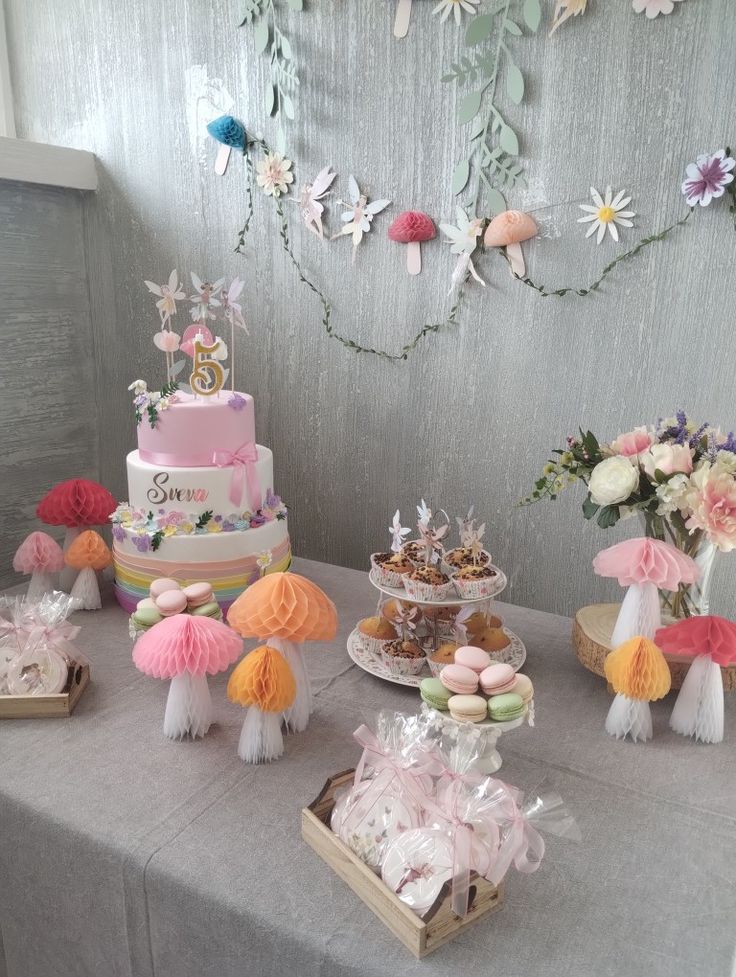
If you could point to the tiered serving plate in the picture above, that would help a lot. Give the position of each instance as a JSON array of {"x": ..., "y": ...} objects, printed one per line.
[{"x": 454, "y": 600}]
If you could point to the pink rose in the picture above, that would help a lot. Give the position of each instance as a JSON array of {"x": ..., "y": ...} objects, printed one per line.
[
  {"x": 633, "y": 443},
  {"x": 668, "y": 459},
  {"x": 713, "y": 502}
]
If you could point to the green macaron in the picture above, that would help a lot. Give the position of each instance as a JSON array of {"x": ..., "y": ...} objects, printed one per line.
[
  {"x": 145, "y": 617},
  {"x": 434, "y": 693},
  {"x": 210, "y": 609},
  {"x": 503, "y": 708}
]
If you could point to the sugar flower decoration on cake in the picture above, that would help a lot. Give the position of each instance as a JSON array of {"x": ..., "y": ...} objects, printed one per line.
[
  {"x": 707, "y": 178},
  {"x": 264, "y": 561},
  {"x": 310, "y": 207},
  {"x": 169, "y": 295},
  {"x": 607, "y": 213},
  {"x": 652, "y": 8},
  {"x": 564, "y": 9},
  {"x": 455, "y": 7},
  {"x": 274, "y": 176},
  {"x": 357, "y": 219},
  {"x": 236, "y": 402},
  {"x": 398, "y": 533},
  {"x": 463, "y": 237},
  {"x": 205, "y": 298}
]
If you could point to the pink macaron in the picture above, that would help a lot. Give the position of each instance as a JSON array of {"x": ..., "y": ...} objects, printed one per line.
[
  {"x": 198, "y": 594},
  {"x": 497, "y": 679},
  {"x": 171, "y": 602},
  {"x": 458, "y": 678},
  {"x": 161, "y": 585},
  {"x": 473, "y": 658}
]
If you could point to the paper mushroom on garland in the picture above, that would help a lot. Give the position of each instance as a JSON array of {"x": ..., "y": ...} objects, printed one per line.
[
  {"x": 186, "y": 650},
  {"x": 412, "y": 228},
  {"x": 265, "y": 683},
  {"x": 698, "y": 708},
  {"x": 42, "y": 557},
  {"x": 508, "y": 230},
  {"x": 639, "y": 674},
  {"x": 88, "y": 554},
  {"x": 645, "y": 566},
  {"x": 77, "y": 504},
  {"x": 285, "y": 610},
  {"x": 230, "y": 134}
]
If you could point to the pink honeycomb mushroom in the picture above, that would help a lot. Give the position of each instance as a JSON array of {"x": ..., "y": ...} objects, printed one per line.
[
  {"x": 411, "y": 228},
  {"x": 42, "y": 557},
  {"x": 508, "y": 230}
]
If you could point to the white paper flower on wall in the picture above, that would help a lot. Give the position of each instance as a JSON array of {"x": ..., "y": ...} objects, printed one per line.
[
  {"x": 652, "y": 8},
  {"x": 607, "y": 213},
  {"x": 455, "y": 7}
]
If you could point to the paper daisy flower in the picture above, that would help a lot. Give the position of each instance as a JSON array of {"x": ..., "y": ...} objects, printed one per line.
[
  {"x": 607, "y": 213},
  {"x": 654, "y": 7},
  {"x": 273, "y": 175},
  {"x": 707, "y": 178},
  {"x": 456, "y": 7}
]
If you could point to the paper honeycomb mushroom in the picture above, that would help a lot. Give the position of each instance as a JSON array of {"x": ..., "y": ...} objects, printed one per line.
[
  {"x": 230, "y": 134},
  {"x": 285, "y": 610},
  {"x": 698, "y": 709},
  {"x": 87, "y": 554},
  {"x": 264, "y": 682},
  {"x": 42, "y": 557},
  {"x": 186, "y": 650},
  {"x": 639, "y": 674},
  {"x": 411, "y": 228},
  {"x": 645, "y": 566},
  {"x": 508, "y": 230},
  {"x": 77, "y": 504}
]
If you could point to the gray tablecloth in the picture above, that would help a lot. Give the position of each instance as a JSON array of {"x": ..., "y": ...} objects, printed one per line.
[{"x": 123, "y": 853}]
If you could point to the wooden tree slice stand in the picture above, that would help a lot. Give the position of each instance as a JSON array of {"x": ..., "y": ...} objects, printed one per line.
[{"x": 591, "y": 636}]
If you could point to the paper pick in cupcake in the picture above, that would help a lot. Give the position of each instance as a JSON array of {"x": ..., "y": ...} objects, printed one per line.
[
  {"x": 187, "y": 649},
  {"x": 264, "y": 682},
  {"x": 644, "y": 565},
  {"x": 639, "y": 674},
  {"x": 398, "y": 533},
  {"x": 508, "y": 230},
  {"x": 88, "y": 554},
  {"x": 285, "y": 610},
  {"x": 231, "y": 135},
  {"x": 42, "y": 557},
  {"x": 698, "y": 709}
]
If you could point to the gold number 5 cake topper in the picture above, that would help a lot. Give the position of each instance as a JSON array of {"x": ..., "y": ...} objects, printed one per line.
[{"x": 207, "y": 377}]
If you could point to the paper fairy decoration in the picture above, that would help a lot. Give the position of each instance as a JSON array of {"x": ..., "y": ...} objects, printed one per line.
[
  {"x": 310, "y": 197},
  {"x": 564, "y": 9},
  {"x": 205, "y": 298},
  {"x": 398, "y": 533},
  {"x": 463, "y": 238},
  {"x": 358, "y": 218},
  {"x": 432, "y": 540},
  {"x": 639, "y": 674},
  {"x": 233, "y": 312},
  {"x": 424, "y": 513},
  {"x": 167, "y": 340},
  {"x": 608, "y": 212}
]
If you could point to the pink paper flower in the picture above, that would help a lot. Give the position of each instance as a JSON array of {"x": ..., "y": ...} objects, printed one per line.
[
  {"x": 668, "y": 459},
  {"x": 633, "y": 443},
  {"x": 707, "y": 178},
  {"x": 654, "y": 7},
  {"x": 712, "y": 500}
]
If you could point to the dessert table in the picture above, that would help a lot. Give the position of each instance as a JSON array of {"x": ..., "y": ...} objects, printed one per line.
[{"x": 123, "y": 854}]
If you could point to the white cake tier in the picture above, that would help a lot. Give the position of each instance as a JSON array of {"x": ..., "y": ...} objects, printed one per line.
[
  {"x": 211, "y": 547},
  {"x": 197, "y": 490}
]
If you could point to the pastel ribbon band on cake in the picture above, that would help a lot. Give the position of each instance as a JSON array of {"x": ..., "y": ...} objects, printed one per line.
[{"x": 242, "y": 462}]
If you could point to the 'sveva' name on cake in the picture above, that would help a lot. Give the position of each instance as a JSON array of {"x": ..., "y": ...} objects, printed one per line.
[{"x": 161, "y": 492}]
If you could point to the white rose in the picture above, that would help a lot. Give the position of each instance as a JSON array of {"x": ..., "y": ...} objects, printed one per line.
[{"x": 613, "y": 480}]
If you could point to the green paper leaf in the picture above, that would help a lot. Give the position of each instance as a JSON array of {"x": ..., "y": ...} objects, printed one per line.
[
  {"x": 296, "y": 4},
  {"x": 512, "y": 27},
  {"x": 460, "y": 176},
  {"x": 514, "y": 86},
  {"x": 270, "y": 99},
  {"x": 496, "y": 202},
  {"x": 469, "y": 107},
  {"x": 285, "y": 47},
  {"x": 508, "y": 141},
  {"x": 260, "y": 35},
  {"x": 532, "y": 12},
  {"x": 288, "y": 106},
  {"x": 479, "y": 29},
  {"x": 477, "y": 128},
  {"x": 281, "y": 140}
]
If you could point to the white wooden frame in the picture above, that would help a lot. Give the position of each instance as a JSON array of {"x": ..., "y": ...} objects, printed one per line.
[{"x": 7, "y": 118}]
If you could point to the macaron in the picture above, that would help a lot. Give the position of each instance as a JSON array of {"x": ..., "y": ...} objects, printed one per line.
[
  {"x": 467, "y": 708},
  {"x": 198, "y": 594},
  {"x": 147, "y": 602},
  {"x": 144, "y": 618},
  {"x": 434, "y": 693},
  {"x": 171, "y": 602},
  {"x": 473, "y": 658},
  {"x": 210, "y": 609},
  {"x": 523, "y": 687},
  {"x": 504, "y": 708},
  {"x": 497, "y": 678},
  {"x": 458, "y": 678},
  {"x": 161, "y": 585}
]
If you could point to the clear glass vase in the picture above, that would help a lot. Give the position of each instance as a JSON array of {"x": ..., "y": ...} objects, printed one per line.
[{"x": 689, "y": 600}]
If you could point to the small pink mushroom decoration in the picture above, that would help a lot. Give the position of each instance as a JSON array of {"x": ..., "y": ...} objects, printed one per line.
[
  {"x": 41, "y": 556},
  {"x": 411, "y": 228},
  {"x": 508, "y": 230}
]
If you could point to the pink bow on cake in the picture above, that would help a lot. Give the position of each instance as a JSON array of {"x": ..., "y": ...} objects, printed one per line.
[{"x": 242, "y": 461}]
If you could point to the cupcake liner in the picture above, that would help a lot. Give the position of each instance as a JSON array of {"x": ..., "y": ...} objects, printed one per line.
[
  {"x": 402, "y": 666},
  {"x": 450, "y": 568},
  {"x": 374, "y": 645},
  {"x": 485, "y": 587},
  {"x": 387, "y": 578},
  {"x": 420, "y": 590},
  {"x": 436, "y": 667}
]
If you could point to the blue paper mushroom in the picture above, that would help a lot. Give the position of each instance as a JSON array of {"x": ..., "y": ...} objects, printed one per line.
[{"x": 230, "y": 134}]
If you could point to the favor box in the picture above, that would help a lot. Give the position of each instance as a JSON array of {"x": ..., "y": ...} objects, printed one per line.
[{"x": 48, "y": 706}]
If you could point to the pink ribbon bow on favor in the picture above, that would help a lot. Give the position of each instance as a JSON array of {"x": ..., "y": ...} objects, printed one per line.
[
  {"x": 521, "y": 844},
  {"x": 243, "y": 465},
  {"x": 57, "y": 636}
]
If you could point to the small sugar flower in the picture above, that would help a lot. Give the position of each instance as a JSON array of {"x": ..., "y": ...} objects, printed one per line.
[
  {"x": 187, "y": 528},
  {"x": 273, "y": 175},
  {"x": 170, "y": 531},
  {"x": 213, "y": 526},
  {"x": 138, "y": 387},
  {"x": 258, "y": 519},
  {"x": 237, "y": 402},
  {"x": 242, "y": 524},
  {"x": 142, "y": 543},
  {"x": 264, "y": 560},
  {"x": 707, "y": 178},
  {"x": 118, "y": 533},
  {"x": 227, "y": 526}
]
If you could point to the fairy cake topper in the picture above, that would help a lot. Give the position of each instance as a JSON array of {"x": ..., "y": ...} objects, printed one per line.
[
  {"x": 406, "y": 620},
  {"x": 432, "y": 540},
  {"x": 398, "y": 533}
]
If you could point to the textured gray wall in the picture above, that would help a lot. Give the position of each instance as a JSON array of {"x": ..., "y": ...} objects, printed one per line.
[
  {"x": 49, "y": 424},
  {"x": 612, "y": 98}
]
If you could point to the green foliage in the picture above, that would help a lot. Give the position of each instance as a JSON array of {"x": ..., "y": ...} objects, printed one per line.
[
  {"x": 157, "y": 539},
  {"x": 203, "y": 519}
]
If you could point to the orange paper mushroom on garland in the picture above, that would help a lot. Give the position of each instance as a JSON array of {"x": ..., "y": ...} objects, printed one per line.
[
  {"x": 264, "y": 682},
  {"x": 88, "y": 553},
  {"x": 639, "y": 674},
  {"x": 508, "y": 230},
  {"x": 285, "y": 609}
]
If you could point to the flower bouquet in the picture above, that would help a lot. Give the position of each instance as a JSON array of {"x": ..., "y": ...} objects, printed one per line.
[{"x": 681, "y": 478}]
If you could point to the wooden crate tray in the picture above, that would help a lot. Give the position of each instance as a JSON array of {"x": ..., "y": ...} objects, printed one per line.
[
  {"x": 421, "y": 936},
  {"x": 48, "y": 706}
]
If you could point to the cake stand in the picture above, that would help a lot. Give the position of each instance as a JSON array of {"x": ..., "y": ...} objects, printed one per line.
[{"x": 489, "y": 733}]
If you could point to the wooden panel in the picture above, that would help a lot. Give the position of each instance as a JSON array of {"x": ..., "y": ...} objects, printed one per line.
[{"x": 54, "y": 166}]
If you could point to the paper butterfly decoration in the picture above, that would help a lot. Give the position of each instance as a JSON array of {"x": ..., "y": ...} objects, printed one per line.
[
  {"x": 310, "y": 208},
  {"x": 359, "y": 217}
]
